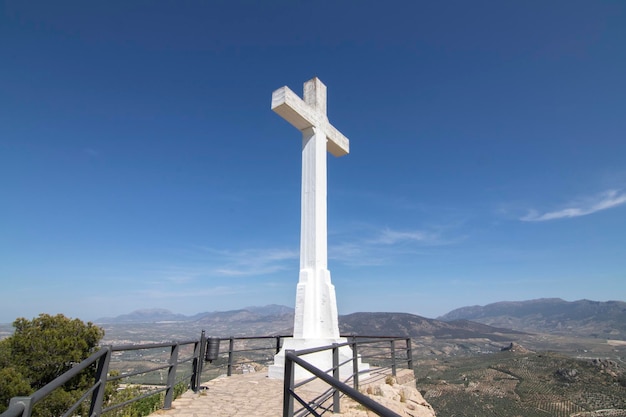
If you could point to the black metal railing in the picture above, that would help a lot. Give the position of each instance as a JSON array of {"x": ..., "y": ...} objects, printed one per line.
[
  {"x": 329, "y": 400},
  {"x": 171, "y": 364},
  {"x": 94, "y": 395},
  {"x": 244, "y": 351},
  {"x": 384, "y": 351}
]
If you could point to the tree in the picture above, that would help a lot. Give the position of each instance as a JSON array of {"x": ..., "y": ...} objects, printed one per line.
[
  {"x": 12, "y": 384},
  {"x": 42, "y": 349}
]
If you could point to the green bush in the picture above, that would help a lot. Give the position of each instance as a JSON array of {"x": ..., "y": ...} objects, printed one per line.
[
  {"x": 144, "y": 406},
  {"x": 40, "y": 350}
]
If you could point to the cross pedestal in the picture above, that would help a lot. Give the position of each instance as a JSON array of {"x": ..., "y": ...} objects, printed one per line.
[{"x": 316, "y": 320}]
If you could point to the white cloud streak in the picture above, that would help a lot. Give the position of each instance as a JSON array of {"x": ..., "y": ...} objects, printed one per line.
[
  {"x": 385, "y": 246},
  {"x": 254, "y": 261},
  {"x": 603, "y": 201},
  {"x": 227, "y": 263},
  {"x": 381, "y": 247},
  {"x": 391, "y": 237},
  {"x": 188, "y": 293}
]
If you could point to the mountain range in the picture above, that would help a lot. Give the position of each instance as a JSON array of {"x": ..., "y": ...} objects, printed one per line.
[
  {"x": 160, "y": 315},
  {"x": 583, "y": 318},
  {"x": 276, "y": 319}
]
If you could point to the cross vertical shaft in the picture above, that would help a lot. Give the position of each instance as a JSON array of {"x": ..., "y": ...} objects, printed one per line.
[
  {"x": 313, "y": 221},
  {"x": 316, "y": 321}
]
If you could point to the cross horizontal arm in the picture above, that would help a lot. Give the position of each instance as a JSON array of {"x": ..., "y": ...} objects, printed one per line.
[{"x": 293, "y": 109}]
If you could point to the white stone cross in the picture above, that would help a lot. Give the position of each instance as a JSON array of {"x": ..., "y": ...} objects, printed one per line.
[
  {"x": 310, "y": 112},
  {"x": 316, "y": 321},
  {"x": 316, "y": 309}
]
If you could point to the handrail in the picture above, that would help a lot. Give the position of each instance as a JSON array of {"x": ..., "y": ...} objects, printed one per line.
[
  {"x": 362, "y": 399},
  {"x": 337, "y": 386},
  {"x": 232, "y": 351},
  {"x": 23, "y": 405},
  {"x": 101, "y": 359},
  {"x": 133, "y": 346},
  {"x": 15, "y": 410}
]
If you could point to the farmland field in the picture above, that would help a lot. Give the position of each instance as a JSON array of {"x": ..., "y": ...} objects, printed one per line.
[{"x": 522, "y": 384}]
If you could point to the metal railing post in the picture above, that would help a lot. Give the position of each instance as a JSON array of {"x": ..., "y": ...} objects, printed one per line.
[
  {"x": 171, "y": 378},
  {"x": 355, "y": 364},
  {"x": 97, "y": 397},
  {"x": 277, "y": 344},
  {"x": 231, "y": 347},
  {"x": 409, "y": 353},
  {"x": 336, "y": 405},
  {"x": 198, "y": 361},
  {"x": 393, "y": 357},
  {"x": 288, "y": 384}
]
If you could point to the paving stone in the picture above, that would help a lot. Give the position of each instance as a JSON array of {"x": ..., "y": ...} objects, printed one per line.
[{"x": 247, "y": 395}]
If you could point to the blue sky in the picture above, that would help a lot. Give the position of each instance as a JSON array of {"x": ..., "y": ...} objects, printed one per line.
[{"x": 141, "y": 165}]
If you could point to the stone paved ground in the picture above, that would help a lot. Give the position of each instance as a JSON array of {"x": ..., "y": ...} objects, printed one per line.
[
  {"x": 239, "y": 395},
  {"x": 246, "y": 395}
]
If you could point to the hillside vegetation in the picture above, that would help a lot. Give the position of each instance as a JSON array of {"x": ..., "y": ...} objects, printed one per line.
[{"x": 522, "y": 383}]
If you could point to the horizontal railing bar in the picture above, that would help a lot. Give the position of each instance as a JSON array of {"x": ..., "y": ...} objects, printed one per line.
[
  {"x": 81, "y": 399},
  {"x": 254, "y": 337},
  {"x": 151, "y": 345},
  {"x": 255, "y": 349},
  {"x": 383, "y": 347},
  {"x": 14, "y": 410},
  {"x": 71, "y": 373},
  {"x": 346, "y": 389},
  {"x": 132, "y": 400},
  {"x": 304, "y": 382},
  {"x": 183, "y": 378},
  {"x": 318, "y": 401},
  {"x": 372, "y": 337},
  {"x": 141, "y": 372},
  {"x": 146, "y": 371},
  {"x": 381, "y": 357},
  {"x": 185, "y": 360},
  {"x": 338, "y": 345},
  {"x": 310, "y": 351},
  {"x": 340, "y": 364}
]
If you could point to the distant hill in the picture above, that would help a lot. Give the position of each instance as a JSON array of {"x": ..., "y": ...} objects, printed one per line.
[
  {"x": 410, "y": 325},
  {"x": 551, "y": 315},
  {"x": 251, "y": 321},
  {"x": 156, "y": 315},
  {"x": 271, "y": 310},
  {"x": 277, "y": 319},
  {"x": 152, "y": 315}
]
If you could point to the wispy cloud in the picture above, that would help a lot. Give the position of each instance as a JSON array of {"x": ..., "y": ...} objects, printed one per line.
[
  {"x": 603, "y": 201},
  {"x": 384, "y": 246},
  {"x": 188, "y": 293},
  {"x": 91, "y": 152},
  {"x": 356, "y": 254},
  {"x": 230, "y": 263},
  {"x": 254, "y": 261},
  {"x": 390, "y": 237},
  {"x": 366, "y": 246}
]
